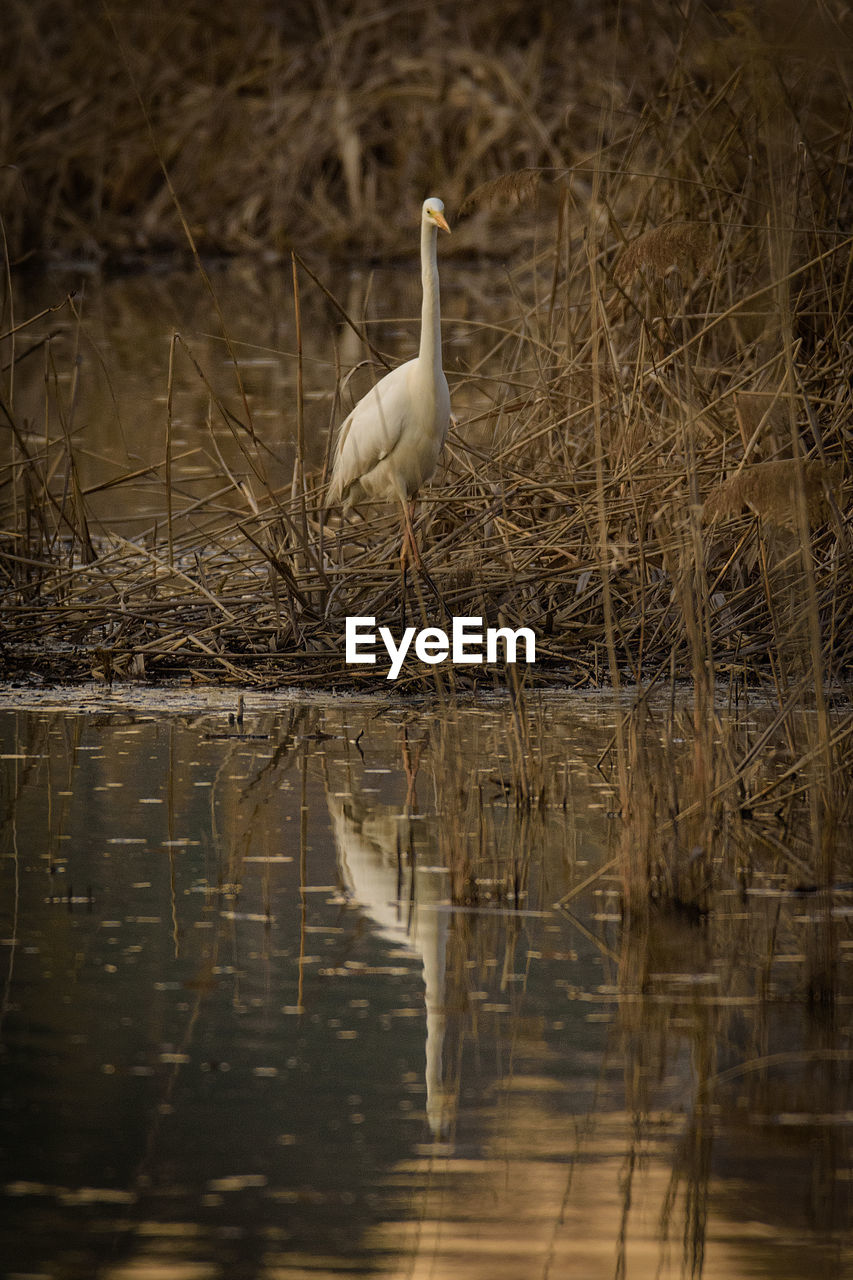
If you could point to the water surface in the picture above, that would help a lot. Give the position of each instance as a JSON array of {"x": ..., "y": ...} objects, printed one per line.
[
  {"x": 310, "y": 993},
  {"x": 124, "y": 372}
]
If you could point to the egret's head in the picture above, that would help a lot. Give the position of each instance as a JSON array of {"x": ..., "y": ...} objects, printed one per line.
[{"x": 433, "y": 211}]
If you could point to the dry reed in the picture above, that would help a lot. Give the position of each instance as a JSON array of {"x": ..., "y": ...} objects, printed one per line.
[
  {"x": 693, "y": 354},
  {"x": 655, "y": 476}
]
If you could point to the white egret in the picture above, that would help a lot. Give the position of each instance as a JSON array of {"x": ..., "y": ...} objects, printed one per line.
[{"x": 389, "y": 445}]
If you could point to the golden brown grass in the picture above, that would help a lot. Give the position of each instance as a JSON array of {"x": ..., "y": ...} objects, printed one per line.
[
  {"x": 655, "y": 472},
  {"x": 320, "y": 124},
  {"x": 685, "y": 247},
  {"x": 676, "y": 340},
  {"x": 769, "y": 490}
]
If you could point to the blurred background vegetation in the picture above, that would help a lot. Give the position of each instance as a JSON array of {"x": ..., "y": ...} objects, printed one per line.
[{"x": 325, "y": 122}]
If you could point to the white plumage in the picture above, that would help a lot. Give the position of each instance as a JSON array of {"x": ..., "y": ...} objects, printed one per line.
[{"x": 389, "y": 445}]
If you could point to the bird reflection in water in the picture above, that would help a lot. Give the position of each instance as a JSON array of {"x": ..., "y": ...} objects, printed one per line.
[{"x": 409, "y": 905}]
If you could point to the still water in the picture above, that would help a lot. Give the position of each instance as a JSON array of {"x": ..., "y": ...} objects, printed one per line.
[
  {"x": 296, "y": 989},
  {"x": 162, "y": 376}
]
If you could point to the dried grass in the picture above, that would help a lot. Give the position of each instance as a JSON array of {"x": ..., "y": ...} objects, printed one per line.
[
  {"x": 275, "y": 129},
  {"x": 685, "y": 247},
  {"x": 621, "y": 397},
  {"x": 770, "y": 490},
  {"x": 654, "y": 473}
]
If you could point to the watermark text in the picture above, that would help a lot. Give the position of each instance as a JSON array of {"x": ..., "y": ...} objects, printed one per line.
[{"x": 467, "y": 643}]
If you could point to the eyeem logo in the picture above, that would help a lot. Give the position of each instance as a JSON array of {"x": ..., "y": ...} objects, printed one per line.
[{"x": 463, "y": 646}]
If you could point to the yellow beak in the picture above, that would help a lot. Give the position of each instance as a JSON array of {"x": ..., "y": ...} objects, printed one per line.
[{"x": 441, "y": 221}]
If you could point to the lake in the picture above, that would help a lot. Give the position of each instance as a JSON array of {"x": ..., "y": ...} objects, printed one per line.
[
  {"x": 96, "y": 361},
  {"x": 303, "y": 987}
]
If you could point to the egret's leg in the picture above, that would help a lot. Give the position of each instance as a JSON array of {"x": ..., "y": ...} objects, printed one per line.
[
  {"x": 409, "y": 538},
  {"x": 404, "y": 558},
  {"x": 409, "y": 535}
]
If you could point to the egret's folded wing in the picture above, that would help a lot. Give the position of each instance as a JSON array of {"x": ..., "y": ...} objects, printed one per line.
[{"x": 370, "y": 432}]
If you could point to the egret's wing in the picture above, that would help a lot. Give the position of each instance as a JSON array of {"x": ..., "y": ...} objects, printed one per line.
[{"x": 370, "y": 432}]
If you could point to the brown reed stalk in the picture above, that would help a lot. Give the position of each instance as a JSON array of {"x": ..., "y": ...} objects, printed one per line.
[
  {"x": 588, "y": 411},
  {"x": 168, "y": 468}
]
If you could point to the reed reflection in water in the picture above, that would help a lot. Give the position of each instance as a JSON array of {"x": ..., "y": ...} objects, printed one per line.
[{"x": 318, "y": 991}]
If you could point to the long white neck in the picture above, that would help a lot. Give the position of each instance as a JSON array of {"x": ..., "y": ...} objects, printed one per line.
[{"x": 430, "y": 350}]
